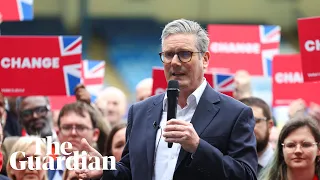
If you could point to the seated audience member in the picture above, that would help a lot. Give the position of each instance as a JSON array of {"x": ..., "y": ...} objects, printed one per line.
[
  {"x": 76, "y": 121},
  {"x": 144, "y": 89},
  {"x": 116, "y": 141},
  {"x": 297, "y": 152},
  {"x": 27, "y": 144},
  {"x": 242, "y": 85},
  {"x": 296, "y": 108},
  {"x": 112, "y": 103},
  {"x": 262, "y": 128}
]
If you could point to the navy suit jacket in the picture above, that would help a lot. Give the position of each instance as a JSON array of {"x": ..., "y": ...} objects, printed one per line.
[{"x": 227, "y": 148}]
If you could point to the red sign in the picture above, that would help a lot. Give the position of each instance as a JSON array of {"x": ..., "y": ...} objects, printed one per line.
[
  {"x": 57, "y": 102},
  {"x": 288, "y": 82},
  {"x": 223, "y": 83},
  {"x": 39, "y": 65},
  {"x": 16, "y": 10},
  {"x": 309, "y": 39},
  {"x": 243, "y": 47}
]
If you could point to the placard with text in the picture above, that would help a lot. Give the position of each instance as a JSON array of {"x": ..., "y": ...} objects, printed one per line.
[{"x": 16, "y": 10}]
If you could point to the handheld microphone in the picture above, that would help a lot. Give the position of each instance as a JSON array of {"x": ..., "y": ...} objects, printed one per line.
[{"x": 172, "y": 101}]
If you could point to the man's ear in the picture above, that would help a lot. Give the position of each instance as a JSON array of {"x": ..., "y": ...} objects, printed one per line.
[
  {"x": 206, "y": 58},
  {"x": 96, "y": 133},
  {"x": 270, "y": 124}
]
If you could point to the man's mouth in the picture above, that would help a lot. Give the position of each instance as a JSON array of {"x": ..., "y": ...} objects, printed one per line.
[{"x": 177, "y": 74}]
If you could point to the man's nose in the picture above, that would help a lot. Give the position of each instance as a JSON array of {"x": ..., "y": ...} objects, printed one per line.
[
  {"x": 175, "y": 60},
  {"x": 35, "y": 115}
]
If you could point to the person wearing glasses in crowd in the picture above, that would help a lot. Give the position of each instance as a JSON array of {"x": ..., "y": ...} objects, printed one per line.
[
  {"x": 35, "y": 116},
  {"x": 262, "y": 129},
  {"x": 212, "y": 135},
  {"x": 297, "y": 152},
  {"x": 76, "y": 121}
]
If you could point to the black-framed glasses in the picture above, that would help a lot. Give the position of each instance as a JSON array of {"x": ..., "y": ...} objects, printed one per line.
[
  {"x": 40, "y": 111},
  {"x": 80, "y": 129},
  {"x": 259, "y": 120},
  {"x": 183, "y": 56},
  {"x": 291, "y": 146}
]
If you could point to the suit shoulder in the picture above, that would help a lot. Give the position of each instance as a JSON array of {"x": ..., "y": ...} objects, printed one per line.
[
  {"x": 153, "y": 99},
  {"x": 231, "y": 102}
]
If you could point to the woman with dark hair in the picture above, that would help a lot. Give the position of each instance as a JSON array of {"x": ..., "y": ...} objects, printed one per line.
[
  {"x": 116, "y": 141},
  {"x": 297, "y": 152}
]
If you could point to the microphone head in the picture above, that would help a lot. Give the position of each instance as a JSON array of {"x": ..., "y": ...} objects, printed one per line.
[{"x": 173, "y": 84}]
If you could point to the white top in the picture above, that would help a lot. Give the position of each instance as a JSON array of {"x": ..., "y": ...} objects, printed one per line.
[
  {"x": 266, "y": 157},
  {"x": 166, "y": 158}
]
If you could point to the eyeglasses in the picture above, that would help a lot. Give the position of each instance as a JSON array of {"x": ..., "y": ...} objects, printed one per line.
[
  {"x": 258, "y": 120},
  {"x": 80, "y": 129},
  {"x": 40, "y": 111},
  {"x": 184, "y": 56},
  {"x": 291, "y": 146}
]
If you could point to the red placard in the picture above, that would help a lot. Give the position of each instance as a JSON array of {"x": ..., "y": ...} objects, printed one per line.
[
  {"x": 39, "y": 65},
  {"x": 288, "y": 82},
  {"x": 57, "y": 102},
  {"x": 309, "y": 39},
  {"x": 243, "y": 47},
  {"x": 16, "y": 10},
  {"x": 223, "y": 83}
]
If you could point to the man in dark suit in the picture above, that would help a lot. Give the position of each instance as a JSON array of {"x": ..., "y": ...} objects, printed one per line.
[{"x": 212, "y": 135}]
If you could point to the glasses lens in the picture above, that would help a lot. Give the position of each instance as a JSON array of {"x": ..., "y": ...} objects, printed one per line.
[{"x": 184, "y": 56}]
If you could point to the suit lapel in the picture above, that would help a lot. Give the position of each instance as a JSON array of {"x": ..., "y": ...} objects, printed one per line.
[
  {"x": 204, "y": 114},
  {"x": 154, "y": 114}
]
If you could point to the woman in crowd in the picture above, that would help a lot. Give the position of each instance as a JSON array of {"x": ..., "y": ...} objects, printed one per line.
[
  {"x": 116, "y": 141},
  {"x": 297, "y": 152},
  {"x": 27, "y": 144}
]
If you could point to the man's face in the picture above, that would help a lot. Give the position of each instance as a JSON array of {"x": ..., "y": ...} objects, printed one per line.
[
  {"x": 261, "y": 129},
  {"x": 36, "y": 116},
  {"x": 143, "y": 93},
  {"x": 73, "y": 127},
  {"x": 188, "y": 74},
  {"x": 112, "y": 107}
]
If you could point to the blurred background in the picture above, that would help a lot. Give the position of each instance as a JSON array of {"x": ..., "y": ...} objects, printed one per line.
[{"x": 126, "y": 33}]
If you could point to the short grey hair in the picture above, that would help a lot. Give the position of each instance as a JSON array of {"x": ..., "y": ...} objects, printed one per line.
[
  {"x": 21, "y": 98},
  {"x": 180, "y": 26}
]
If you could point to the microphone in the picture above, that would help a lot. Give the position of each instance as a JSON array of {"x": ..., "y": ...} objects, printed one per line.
[{"x": 172, "y": 100}]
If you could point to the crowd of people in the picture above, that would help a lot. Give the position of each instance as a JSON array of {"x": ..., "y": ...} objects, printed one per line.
[{"x": 214, "y": 136}]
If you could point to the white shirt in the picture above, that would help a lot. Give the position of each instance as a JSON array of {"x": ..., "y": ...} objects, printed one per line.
[
  {"x": 166, "y": 158},
  {"x": 266, "y": 156}
]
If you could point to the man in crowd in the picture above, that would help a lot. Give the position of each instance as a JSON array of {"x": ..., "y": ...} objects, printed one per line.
[
  {"x": 35, "y": 116},
  {"x": 76, "y": 121},
  {"x": 112, "y": 102},
  {"x": 262, "y": 129},
  {"x": 144, "y": 89},
  {"x": 212, "y": 135},
  {"x": 242, "y": 85}
]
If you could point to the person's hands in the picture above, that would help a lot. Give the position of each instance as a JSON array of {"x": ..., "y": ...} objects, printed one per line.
[
  {"x": 0, "y": 18},
  {"x": 182, "y": 132},
  {"x": 89, "y": 174},
  {"x": 314, "y": 111},
  {"x": 296, "y": 106},
  {"x": 82, "y": 94}
]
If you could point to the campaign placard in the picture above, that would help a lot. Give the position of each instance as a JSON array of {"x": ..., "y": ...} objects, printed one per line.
[
  {"x": 243, "y": 47},
  {"x": 40, "y": 65},
  {"x": 288, "y": 83},
  {"x": 223, "y": 83},
  {"x": 92, "y": 76},
  {"x": 16, "y": 10},
  {"x": 309, "y": 40}
]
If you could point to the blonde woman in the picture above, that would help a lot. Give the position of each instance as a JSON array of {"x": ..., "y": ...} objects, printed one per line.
[
  {"x": 297, "y": 152},
  {"x": 28, "y": 146}
]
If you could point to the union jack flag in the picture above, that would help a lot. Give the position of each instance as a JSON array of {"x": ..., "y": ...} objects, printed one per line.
[
  {"x": 223, "y": 82},
  {"x": 25, "y": 8},
  {"x": 269, "y": 38},
  {"x": 71, "y": 45},
  {"x": 93, "y": 76}
]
